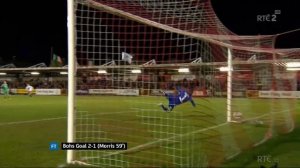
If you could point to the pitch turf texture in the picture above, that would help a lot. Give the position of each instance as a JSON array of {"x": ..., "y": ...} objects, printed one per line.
[{"x": 29, "y": 124}]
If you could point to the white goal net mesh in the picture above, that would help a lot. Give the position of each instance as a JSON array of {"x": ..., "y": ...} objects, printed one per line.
[{"x": 133, "y": 54}]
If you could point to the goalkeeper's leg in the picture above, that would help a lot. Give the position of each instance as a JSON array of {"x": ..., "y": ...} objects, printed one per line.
[
  {"x": 193, "y": 103},
  {"x": 164, "y": 108},
  {"x": 171, "y": 107}
]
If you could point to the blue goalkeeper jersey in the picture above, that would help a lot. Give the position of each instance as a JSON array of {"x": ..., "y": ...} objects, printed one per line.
[
  {"x": 183, "y": 96},
  {"x": 180, "y": 98}
]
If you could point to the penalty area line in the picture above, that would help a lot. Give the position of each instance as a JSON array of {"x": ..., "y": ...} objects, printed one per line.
[
  {"x": 31, "y": 121},
  {"x": 56, "y": 118}
]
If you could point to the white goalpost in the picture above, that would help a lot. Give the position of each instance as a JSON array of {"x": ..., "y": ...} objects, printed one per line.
[
  {"x": 229, "y": 86},
  {"x": 125, "y": 60},
  {"x": 71, "y": 78}
]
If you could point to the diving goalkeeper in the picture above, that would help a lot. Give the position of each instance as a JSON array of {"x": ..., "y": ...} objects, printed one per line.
[{"x": 179, "y": 97}]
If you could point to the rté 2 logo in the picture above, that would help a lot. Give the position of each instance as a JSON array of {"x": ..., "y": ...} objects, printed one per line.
[{"x": 268, "y": 17}]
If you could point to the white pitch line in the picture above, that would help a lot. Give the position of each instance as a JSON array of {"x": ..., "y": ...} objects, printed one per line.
[
  {"x": 176, "y": 136},
  {"x": 56, "y": 118},
  {"x": 120, "y": 112},
  {"x": 160, "y": 140},
  {"x": 146, "y": 109},
  {"x": 263, "y": 115},
  {"x": 31, "y": 121}
]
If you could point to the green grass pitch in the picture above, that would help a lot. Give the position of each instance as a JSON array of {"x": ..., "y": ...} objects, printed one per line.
[{"x": 29, "y": 124}]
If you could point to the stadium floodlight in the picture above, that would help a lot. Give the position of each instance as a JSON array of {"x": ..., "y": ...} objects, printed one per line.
[
  {"x": 3, "y": 73},
  {"x": 224, "y": 69},
  {"x": 63, "y": 73},
  {"x": 101, "y": 71},
  {"x": 136, "y": 71},
  {"x": 183, "y": 70},
  {"x": 293, "y": 69},
  {"x": 293, "y": 64},
  {"x": 34, "y": 73}
]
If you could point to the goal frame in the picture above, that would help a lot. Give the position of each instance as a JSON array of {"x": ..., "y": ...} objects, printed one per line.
[
  {"x": 71, "y": 78},
  {"x": 72, "y": 71}
]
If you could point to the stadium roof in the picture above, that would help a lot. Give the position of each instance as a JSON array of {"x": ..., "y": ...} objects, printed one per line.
[{"x": 145, "y": 66}]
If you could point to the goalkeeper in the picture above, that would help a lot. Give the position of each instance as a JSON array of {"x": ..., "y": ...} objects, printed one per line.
[
  {"x": 179, "y": 97},
  {"x": 5, "y": 89}
]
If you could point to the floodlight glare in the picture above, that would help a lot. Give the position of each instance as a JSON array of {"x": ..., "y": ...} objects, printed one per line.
[
  {"x": 34, "y": 73},
  {"x": 183, "y": 70},
  {"x": 101, "y": 71},
  {"x": 136, "y": 71},
  {"x": 293, "y": 69},
  {"x": 224, "y": 69},
  {"x": 2, "y": 73},
  {"x": 293, "y": 64},
  {"x": 63, "y": 73}
]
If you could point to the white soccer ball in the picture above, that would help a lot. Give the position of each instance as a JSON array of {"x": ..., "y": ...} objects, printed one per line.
[{"x": 237, "y": 116}]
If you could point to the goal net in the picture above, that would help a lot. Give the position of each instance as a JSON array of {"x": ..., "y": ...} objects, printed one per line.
[{"x": 132, "y": 55}]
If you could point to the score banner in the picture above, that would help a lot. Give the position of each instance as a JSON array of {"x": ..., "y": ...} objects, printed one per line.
[{"x": 94, "y": 146}]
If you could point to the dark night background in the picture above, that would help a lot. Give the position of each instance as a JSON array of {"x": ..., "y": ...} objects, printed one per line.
[{"x": 29, "y": 29}]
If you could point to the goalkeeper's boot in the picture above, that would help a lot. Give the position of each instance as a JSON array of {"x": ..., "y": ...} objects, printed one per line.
[
  {"x": 170, "y": 108},
  {"x": 164, "y": 108}
]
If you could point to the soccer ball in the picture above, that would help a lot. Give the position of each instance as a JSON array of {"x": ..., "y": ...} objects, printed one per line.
[
  {"x": 237, "y": 116},
  {"x": 259, "y": 122}
]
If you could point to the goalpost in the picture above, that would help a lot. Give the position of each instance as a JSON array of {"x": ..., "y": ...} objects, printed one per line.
[
  {"x": 122, "y": 53},
  {"x": 71, "y": 78}
]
